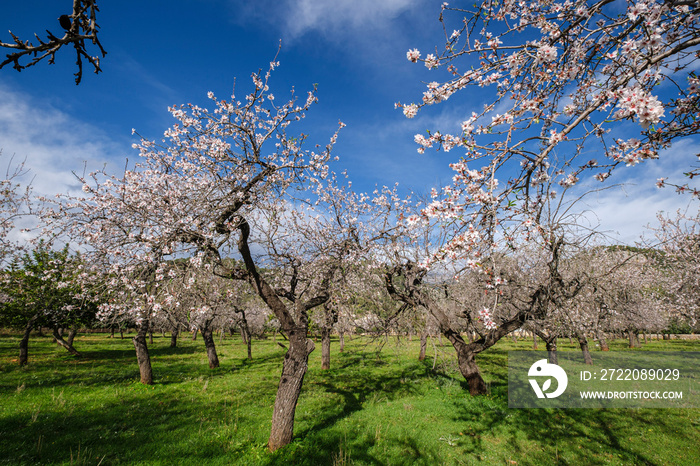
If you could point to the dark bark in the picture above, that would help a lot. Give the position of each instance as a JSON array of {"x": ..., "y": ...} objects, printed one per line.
[
  {"x": 467, "y": 364},
  {"x": 173, "y": 336},
  {"x": 71, "y": 336},
  {"x": 423, "y": 345},
  {"x": 150, "y": 337},
  {"x": 295, "y": 325},
  {"x": 142, "y": 356},
  {"x": 24, "y": 342},
  {"x": 583, "y": 343},
  {"x": 194, "y": 334},
  {"x": 534, "y": 341},
  {"x": 61, "y": 342},
  {"x": 293, "y": 371},
  {"x": 111, "y": 332},
  {"x": 208, "y": 336}
]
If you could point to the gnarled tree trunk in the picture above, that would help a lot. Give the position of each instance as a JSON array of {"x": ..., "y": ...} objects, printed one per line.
[
  {"x": 173, "y": 336},
  {"x": 71, "y": 336},
  {"x": 142, "y": 356},
  {"x": 208, "y": 336},
  {"x": 467, "y": 364},
  {"x": 293, "y": 370},
  {"x": 61, "y": 342}
]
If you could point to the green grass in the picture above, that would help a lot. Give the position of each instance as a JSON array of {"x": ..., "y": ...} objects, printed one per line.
[{"x": 371, "y": 408}]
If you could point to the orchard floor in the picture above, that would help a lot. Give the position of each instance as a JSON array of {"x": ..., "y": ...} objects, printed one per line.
[{"x": 377, "y": 405}]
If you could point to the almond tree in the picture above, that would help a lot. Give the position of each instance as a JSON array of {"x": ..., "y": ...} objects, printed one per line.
[
  {"x": 567, "y": 79},
  {"x": 679, "y": 237},
  {"x": 222, "y": 185},
  {"x": 42, "y": 289},
  {"x": 15, "y": 201}
]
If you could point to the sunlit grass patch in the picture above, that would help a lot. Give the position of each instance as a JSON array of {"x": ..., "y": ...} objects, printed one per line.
[{"x": 371, "y": 407}]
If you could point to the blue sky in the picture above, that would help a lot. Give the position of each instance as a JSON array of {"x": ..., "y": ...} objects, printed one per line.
[{"x": 164, "y": 53}]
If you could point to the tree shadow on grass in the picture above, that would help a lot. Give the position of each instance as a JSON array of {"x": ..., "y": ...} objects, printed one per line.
[
  {"x": 318, "y": 442},
  {"x": 588, "y": 436}
]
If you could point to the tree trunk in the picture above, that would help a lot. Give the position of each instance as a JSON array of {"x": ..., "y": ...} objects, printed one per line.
[
  {"x": 121, "y": 333},
  {"x": 71, "y": 336},
  {"x": 194, "y": 334},
  {"x": 248, "y": 339},
  {"x": 208, "y": 336},
  {"x": 111, "y": 332},
  {"x": 645, "y": 337},
  {"x": 245, "y": 336},
  {"x": 24, "y": 342},
  {"x": 293, "y": 370},
  {"x": 325, "y": 348},
  {"x": 467, "y": 364},
  {"x": 583, "y": 342},
  {"x": 534, "y": 340},
  {"x": 341, "y": 338},
  {"x": 142, "y": 356},
  {"x": 61, "y": 342},
  {"x": 633, "y": 340},
  {"x": 470, "y": 372},
  {"x": 602, "y": 341},
  {"x": 667, "y": 336},
  {"x": 551, "y": 345},
  {"x": 173, "y": 337},
  {"x": 423, "y": 345}
]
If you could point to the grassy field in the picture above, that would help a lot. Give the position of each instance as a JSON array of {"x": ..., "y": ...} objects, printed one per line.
[{"x": 377, "y": 405}]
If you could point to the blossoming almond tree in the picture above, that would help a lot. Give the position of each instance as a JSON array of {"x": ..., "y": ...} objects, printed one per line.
[
  {"x": 567, "y": 79},
  {"x": 15, "y": 201},
  {"x": 679, "y": 236},
  {"x": 221, "y": 185}
]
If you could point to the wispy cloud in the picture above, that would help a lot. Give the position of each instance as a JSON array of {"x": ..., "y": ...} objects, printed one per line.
[
  {"x": 624, "y": 212},
  {"x": 52, "y": 143},
  {"x": 329, "y": 17}
]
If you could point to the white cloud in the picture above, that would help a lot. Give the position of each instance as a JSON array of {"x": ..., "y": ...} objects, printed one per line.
[
  {"x": 52, "y": 143},
  {"x": 351, "y": 19},
  {"x": 624, "y": 212},
  {"x": 334, "y": 15}
]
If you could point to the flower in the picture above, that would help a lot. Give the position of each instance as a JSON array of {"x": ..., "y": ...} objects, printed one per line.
[
  {"x": 546, "y": 53},
  {"x": 410, "y": 110},
  {"x": 413, "y": 55}
]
